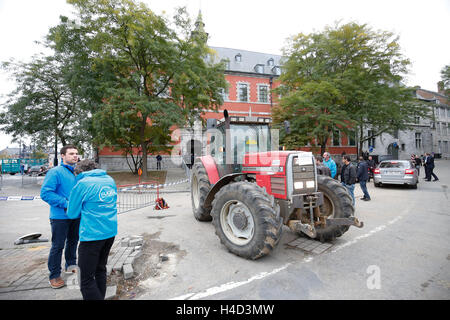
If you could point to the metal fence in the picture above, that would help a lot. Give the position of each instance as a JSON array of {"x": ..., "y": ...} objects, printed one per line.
[{"x": 136, "y": 196}]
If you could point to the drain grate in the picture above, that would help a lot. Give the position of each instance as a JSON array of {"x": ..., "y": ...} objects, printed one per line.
[{"x": 308, "y": 245}]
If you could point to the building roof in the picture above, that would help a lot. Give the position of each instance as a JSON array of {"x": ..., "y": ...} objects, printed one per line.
[
  {"x": 10, "y": 151},
  {"x": 249, "y": 61}
]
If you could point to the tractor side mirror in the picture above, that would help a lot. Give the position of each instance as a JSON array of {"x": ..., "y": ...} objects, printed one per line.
[
  {"x": 211, "y": 124},
  {"x": 287, "y": 126}
]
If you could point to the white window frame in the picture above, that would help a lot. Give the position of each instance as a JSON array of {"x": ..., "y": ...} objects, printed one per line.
[
  {"x": 260, "y": 85},
  {"x": 238, "y": 84}
]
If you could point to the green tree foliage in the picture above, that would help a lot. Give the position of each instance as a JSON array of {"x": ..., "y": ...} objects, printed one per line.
[
  {"x": 162, "y": 76},
  {"x": 345, "y": 77},
  {"x": 445, "y": 82}
]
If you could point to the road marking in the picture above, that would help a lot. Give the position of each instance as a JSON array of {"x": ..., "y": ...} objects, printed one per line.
[
  {"x": 229, "y": 285},
  {"x": 232, "y": 285}
]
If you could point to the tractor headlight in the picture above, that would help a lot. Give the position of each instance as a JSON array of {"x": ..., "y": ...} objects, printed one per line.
[
  {"x": 298, "y": 185},
  {"x": 310, "y": 184}
]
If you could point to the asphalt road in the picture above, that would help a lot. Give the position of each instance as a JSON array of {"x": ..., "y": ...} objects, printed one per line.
[{"x": 403, "y": 251}]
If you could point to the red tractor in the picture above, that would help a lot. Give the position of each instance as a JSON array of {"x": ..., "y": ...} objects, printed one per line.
[{"x": 250, "y": 193}]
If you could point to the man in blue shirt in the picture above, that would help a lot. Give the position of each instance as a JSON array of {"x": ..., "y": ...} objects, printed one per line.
[
  {"x": 55, "y": 190},
  {"x": 94, "y": 199},
  {"x": 330, "y": 164}
]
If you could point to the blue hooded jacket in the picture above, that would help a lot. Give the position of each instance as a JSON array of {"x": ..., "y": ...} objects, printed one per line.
[
  {"x": 332, "y": 165},
  {"x": 94, "y": 198},
  {"x": 56, "y": 188}
]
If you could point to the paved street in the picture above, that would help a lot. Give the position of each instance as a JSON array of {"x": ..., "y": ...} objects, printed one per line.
[{"x": 402, "y": 252}]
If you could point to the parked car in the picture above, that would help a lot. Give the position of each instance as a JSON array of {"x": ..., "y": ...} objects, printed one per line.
[
  {"x": 401, "y": 172},
  {"x": 37, "y": 171}
]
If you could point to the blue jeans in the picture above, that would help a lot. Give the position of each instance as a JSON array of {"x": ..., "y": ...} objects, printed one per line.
[
  {"x": 363, "y": 186},
  {"x": 64, "y": 234},
  {"x": 351, "y": 190}
]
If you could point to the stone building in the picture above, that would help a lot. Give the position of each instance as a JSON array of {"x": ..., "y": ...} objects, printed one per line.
[{"x": 427, "y": 135}]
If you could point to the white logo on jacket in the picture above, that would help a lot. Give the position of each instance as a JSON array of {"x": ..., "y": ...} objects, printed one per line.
[{"x": 107, "y": 194}]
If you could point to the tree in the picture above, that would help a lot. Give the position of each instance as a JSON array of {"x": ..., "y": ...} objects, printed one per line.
[
  {"x": 346, "y": 77},
  {"x": 162, "y": 77},
  {"x": 43, "y": 103},
  {"x": 444, "y": 84}
]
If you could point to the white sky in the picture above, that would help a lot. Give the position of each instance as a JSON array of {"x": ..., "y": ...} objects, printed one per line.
[{"x": 258, "y": 25}]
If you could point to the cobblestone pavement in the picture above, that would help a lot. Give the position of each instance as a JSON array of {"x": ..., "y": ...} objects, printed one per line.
[{"x": 24, "y": 269}]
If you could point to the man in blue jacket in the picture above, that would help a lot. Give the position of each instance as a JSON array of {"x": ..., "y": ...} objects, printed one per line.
[
  {"x": 55, "y": 190},
  {"x": 330, "y": 164},
  {"x": 94, "y": 199}
]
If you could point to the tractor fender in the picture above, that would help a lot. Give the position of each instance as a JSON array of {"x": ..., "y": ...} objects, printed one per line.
[
  {"x": 219, "y": 184},
  {"x": 211, "y": 169}
]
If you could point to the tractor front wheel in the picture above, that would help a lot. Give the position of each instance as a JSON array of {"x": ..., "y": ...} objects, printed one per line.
[
  {"x": 337, "y": 204},
  {"x": 246, "y": 220}
]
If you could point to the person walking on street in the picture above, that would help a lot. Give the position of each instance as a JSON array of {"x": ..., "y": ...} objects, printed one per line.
[
  {"x": 417, "y": 164},
  {"x": 429, "y": 167},
  {"x": 94, "y": 199},
  {"x": 371, "y": 164},
  {"x": 363, "y": 175},
  {"x": 330, "y": 164},
  {"x": 55, "y": 190},
  {"x": 158, "y": 162},
  {"x": 321, "y": 168},
  {"x": 348, "y": 176}
]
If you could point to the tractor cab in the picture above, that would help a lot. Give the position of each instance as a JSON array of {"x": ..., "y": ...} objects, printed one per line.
[{"x": 235, "y": 137}]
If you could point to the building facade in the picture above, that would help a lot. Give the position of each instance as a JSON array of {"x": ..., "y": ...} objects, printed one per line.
[{"x": 427, "y": 135}]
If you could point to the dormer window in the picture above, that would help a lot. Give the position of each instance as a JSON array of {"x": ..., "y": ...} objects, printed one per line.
[
  {"x": 238, "y": 57},
  {"x": 259, "y": 68},
  {"x": 226, "y": 62},
  {"x": 276, "y": 70},
  {"x": 270, "y": 62}
]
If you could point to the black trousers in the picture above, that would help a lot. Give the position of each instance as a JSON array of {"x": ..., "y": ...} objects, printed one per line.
[{"x": 92, "y": 260}]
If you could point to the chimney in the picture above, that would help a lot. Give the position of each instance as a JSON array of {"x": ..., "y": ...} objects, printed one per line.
[{"x": 440, "y": 87}]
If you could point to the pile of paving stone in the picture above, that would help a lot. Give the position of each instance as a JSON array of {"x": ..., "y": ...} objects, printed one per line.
[{"x": 123, "y": 254}]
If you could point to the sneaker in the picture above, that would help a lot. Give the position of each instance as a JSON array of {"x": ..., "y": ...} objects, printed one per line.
[{"x": 57, "y": 283}]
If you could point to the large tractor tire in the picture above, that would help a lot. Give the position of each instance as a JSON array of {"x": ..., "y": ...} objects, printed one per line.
[
  {"x": 200, "y": 188},
  {"x": 337, "y": 204},
  {"x": 246, "y": 219}
]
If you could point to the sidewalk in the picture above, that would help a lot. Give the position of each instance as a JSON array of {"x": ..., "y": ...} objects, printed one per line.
[{"x": 23, "y": 268}]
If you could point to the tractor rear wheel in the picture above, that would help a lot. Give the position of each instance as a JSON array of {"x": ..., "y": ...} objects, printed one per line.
[
  {"x": 246, "y": 220},
  {"x": 337, "y": 203},
  {"x": 200, "y": 188}
]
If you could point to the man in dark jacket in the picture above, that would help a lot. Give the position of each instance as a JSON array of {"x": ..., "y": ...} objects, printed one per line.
[
  {"x": 429, "y": 167},
  {"x": 363, "y": 176},
  {"x": 348, "y": 176}
]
